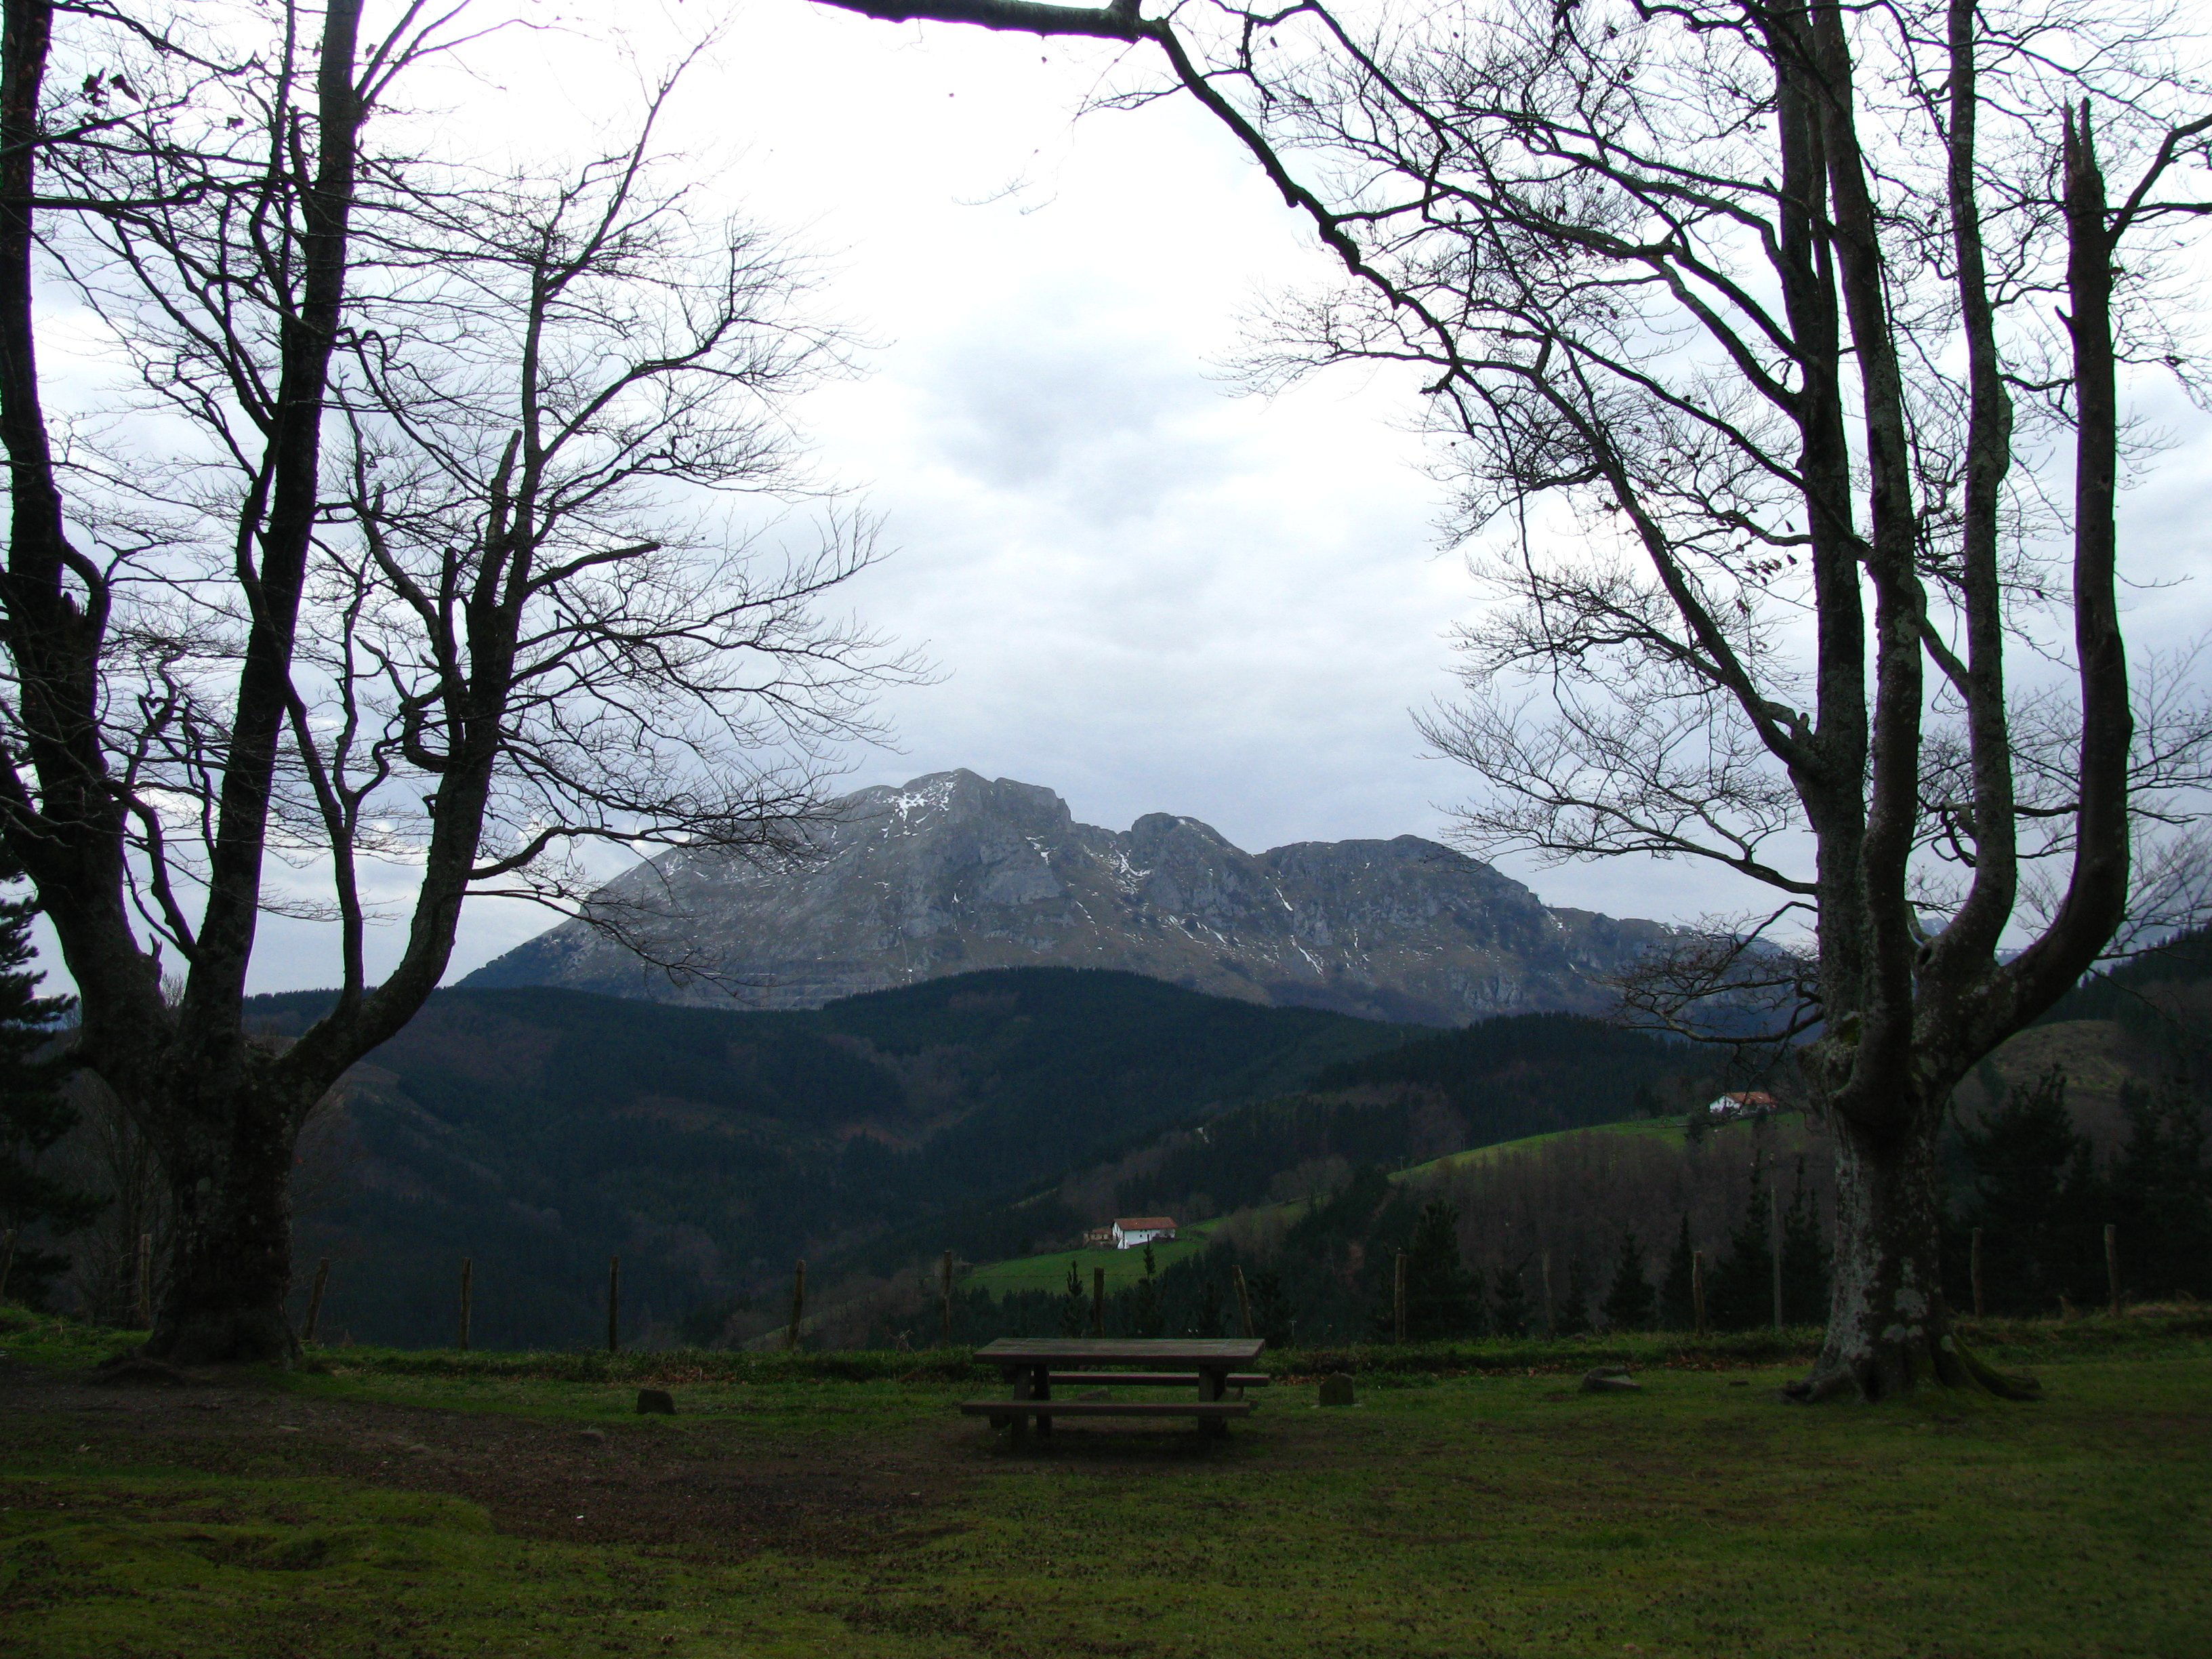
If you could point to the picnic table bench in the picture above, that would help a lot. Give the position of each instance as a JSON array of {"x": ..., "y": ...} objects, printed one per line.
[{"x": 1032, "y": 1365}]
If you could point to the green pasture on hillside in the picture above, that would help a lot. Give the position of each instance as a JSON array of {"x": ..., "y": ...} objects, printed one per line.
[
  {"x": 365, "y": 1511},
  {"x": 1666, "y": 1130},
  {"x": 1049, "y": 1273},
  {"x": 1789, "y": 1126}
]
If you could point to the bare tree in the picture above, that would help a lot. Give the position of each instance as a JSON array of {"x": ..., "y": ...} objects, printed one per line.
[
  {"x": 506, "y": 611},
  {"x": 1784, "y": 343}
]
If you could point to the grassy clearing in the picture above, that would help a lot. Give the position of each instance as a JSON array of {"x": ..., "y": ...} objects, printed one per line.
[
  {"x": 2175, "y": 1331},
  {"x": 1049, "y": 1273},
  {"x": 1455, "y": 1515},
  {"x": 1668, "y": 1130}
]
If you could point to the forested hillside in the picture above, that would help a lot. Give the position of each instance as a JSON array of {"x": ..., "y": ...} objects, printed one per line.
[
  {"x": 538, "y": 1131},
  {"x": 1440, "y": 1093},
  {"x": 1492, "y": 1082},
  {"x": 2095, "y": 1116}
]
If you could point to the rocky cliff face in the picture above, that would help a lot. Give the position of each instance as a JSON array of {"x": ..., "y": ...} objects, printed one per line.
[{"x": 954, "y": 872}]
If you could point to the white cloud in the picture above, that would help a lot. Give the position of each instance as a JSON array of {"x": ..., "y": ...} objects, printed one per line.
[{"x": 1146, "y": 591}]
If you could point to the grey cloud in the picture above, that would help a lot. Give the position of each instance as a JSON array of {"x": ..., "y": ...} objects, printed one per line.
[{"x": 1070, "y": 402}]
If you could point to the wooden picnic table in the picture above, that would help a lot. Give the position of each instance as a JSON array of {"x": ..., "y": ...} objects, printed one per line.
[{"x": 1031, "y": 1365}]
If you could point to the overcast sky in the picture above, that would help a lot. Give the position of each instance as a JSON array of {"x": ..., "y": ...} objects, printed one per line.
[{"x": 1142, "y": 589}]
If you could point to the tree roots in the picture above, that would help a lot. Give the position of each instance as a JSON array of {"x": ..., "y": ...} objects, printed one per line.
[{"x": 1899, "y": 1368}]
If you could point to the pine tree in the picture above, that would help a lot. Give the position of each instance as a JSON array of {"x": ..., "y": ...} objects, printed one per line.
[
  {"x": 2161, "y": 1195},
  {"x": 1574, "y": 1312},
  {"x": 1439, "y": 1289},
  {"x": 1074, "y": 1308},
  {"x": 1147, "y": 1317},
  {"x": 1210, "y": 1309},
  {"x": 1739, "y": 1286},
  {"x": 1804, "y": 1259},
  {"x": 1630, "y": 1303},
  {"x": 1678, "y": 1307},
  {"x": 2034, "y": 1195},
  {"x": 33, "y": 1115},
  {"x": 1275, "y": 1319},
  {"x": 1509, "y": 1307}
]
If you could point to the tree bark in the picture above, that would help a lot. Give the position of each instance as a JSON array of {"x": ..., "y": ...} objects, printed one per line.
[
  {"x": 1886, "y": 1320},
  {"x": 228, "y": 1157},
  {"x": 1889, "y": 1326}
]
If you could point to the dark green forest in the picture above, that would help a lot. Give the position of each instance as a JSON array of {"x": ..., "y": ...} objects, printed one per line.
[
  {"x": 1439, "y": 1093},
  {"x": 536, "y": 1132},
  {"x": 2026, "y": 1178},
  {"x": 2020, "y": 1171},
  {"x": 539, "y": 1132}
]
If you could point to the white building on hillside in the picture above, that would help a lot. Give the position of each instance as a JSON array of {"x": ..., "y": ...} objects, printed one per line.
[
  {"x": 1752, "y": 1103},
  {"x": 1132, "y": 1231}
]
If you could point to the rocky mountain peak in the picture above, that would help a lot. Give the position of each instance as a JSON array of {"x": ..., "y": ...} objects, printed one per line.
[{"x": 954, "y": 872}]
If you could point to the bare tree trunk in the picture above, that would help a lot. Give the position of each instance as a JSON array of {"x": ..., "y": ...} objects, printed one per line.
[
  {"x": 1886, "y": 1320},
  {"x": 1889, "y": 1326},
  {"x": 230, "y": 1261}
]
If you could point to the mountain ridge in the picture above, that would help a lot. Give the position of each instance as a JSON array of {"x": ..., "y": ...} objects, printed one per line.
[{"x": 953, "y": 873}]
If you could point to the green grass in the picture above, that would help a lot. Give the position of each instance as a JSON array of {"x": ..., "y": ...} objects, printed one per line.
[
  {"x": 1668, "y": 1130},
  {"x": 1049, "y": 1273},
  {"x": 1443, "y": 1514},
  {"x": 2148, "y": 1331}
]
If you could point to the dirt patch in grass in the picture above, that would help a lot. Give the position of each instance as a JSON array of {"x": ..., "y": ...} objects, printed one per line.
[{"x": 700, "y": 1487}]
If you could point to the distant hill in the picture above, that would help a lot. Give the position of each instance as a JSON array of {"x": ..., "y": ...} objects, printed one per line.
[
  {"x": 954, "y": 872},
  {"x": 1550, "y": 1132},
  {"x": 2146, "y": 1021},
  {"x": 539, "y": 1131},
  {"x": 1319, "y": 1264},
  {"x": 1437, "y": 1094}
]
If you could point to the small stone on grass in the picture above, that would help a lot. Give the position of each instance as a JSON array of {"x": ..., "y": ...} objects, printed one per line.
[{"x": 1610, "y": 1379}]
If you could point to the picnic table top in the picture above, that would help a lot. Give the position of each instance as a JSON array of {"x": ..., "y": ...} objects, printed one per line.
[{"x": 1122, "y": 1351}]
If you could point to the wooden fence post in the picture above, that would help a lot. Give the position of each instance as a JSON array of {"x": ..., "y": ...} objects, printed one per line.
[
  {"x": 1698, "y": 1287},
  {"x": 1398, "y": 1297},
  {"x": 1974, "y": 1270},
  {"x": 1550, "y": 1317},
  {"x": 798, "y": 1306},
  {"x": 614, "y": 1304},
  {"x": 2112, "y": 1263},
  {"x": 1774, "y": 1245},
  {"x": 945, "y": 1299},
  {"x": 146, "y": 1280},
  {"x": 1097, "y": 1302},
  {"x": 315, "y": 1299},
  {"x": 1244, "y": 1301},
  {"x": 467, "y": 1270}
]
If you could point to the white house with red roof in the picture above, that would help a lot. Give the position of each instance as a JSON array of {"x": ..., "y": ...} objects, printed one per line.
[{"x": 1132, "y": 1231}]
